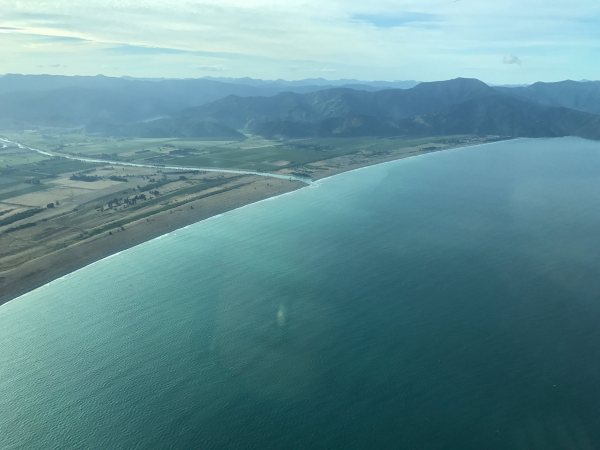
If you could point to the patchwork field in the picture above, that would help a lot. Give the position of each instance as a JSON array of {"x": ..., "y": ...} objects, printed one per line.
[{"x": 253, "y": 153}]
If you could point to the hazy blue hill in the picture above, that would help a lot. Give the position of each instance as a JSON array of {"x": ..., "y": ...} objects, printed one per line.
[
  {"x": 236, "y": 111},
  {"x": 461, "y": 106},
  {"x": 226, "y": 107},
  {"x": 191, "y": 90},
  {"x": 580, "y": 95},
  {"x": 49, "y": 100},
  {"x": 77, "y": 101},
  {"x": 77, "y": 106},
  {"x": 394, "y": 104},
  {"x": 12, "y": 83},
  {"x": 322, "y": 83},
  {"x": 506, "y": 116},
  {"x": 170, "y": 127},
  {"x": 440, "y": 94}
]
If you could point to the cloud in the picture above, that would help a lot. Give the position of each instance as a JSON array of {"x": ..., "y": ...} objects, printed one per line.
[
  {"x": 379, "y": 39},
  {"x": 129, "y": 49},
  {"x": 58, "y": 38},
  {"x": 512, "y": 59},
  {"x": 43, "y": 36},
  {"x": 396, "y": 20},
  {"x": 52, "y": 66},
  {"x": 210, "y": 68}
]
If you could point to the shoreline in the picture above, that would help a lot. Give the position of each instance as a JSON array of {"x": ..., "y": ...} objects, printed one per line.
[
  {"x": 399, "y": 158},
  {"x": 46, "y": 268},
  {"x": 49, "y": 267}
]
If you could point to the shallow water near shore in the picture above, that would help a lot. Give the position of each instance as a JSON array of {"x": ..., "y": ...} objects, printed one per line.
[{"x": 447, "y": 301}]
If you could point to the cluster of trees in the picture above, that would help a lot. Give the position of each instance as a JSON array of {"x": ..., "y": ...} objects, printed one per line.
[
  {"x": 129, "y": 201},
  {"x": 83, "y": 177},
  {"x": 20, "y": 227},
  {"x": 19, "y": 216},
  {"x": 118, "y": 178},
  {"x": 153, "y": 185},
  {"x": 92, "y": 178}
]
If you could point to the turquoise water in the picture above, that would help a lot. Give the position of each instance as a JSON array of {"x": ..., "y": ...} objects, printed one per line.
[{"x": 449, "y": 301}]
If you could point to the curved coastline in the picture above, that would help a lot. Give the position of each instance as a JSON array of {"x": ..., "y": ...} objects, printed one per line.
[
  {"x": 28, "y": 285},
  {"x": 419, "y": 155}
]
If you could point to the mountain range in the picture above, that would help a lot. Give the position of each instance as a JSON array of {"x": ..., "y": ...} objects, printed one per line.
[{"x": 230, "y": 108}]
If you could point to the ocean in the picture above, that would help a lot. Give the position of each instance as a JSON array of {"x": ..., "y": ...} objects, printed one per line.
[{"x": 446, "y": 301}]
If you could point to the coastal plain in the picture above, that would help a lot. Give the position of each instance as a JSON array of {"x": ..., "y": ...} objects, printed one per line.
[{"x": 58, "y": 213}]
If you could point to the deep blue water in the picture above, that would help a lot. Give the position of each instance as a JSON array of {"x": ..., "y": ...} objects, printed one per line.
[{"x": 449, "y": 301}]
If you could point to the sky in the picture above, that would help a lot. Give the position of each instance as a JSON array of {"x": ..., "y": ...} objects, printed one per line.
[{"x": 498, "y": 41}]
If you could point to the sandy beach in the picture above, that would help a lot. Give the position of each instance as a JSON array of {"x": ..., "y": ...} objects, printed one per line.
[
  {"x": 42, "y": 267},
  {"x": 59, "y": 256}
]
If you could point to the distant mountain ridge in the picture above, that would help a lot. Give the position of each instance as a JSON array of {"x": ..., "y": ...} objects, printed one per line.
[
  {"x": 579, "y": 95},
  {"x": 278, "y": 109},
  {"x": 393, "y": 104},
  {"x": 368, "y": 85},
  {"x": 459, "y": 106},
  {"x": 75, "y": 101}
]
